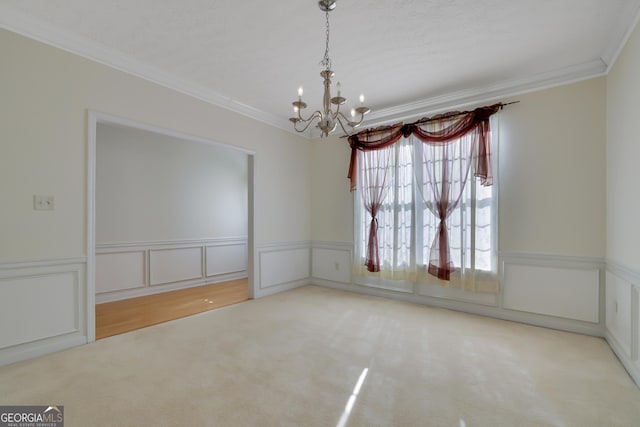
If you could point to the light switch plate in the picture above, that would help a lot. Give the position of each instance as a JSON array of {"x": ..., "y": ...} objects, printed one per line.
[{"x": 43, "y": 203}]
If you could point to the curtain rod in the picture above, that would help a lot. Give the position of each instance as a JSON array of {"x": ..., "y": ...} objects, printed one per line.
[
  {"x": 458, "y": 113},
  {"x": 446, "y": 116}
]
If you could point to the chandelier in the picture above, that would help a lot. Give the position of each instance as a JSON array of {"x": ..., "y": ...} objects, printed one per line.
[{"x": 328, "y": 118}]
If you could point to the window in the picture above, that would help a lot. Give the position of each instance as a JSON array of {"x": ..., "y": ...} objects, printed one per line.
[{"x": 408, "y": 222}]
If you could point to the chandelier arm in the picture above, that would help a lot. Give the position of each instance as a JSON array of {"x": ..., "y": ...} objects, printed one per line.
[
  {"x": 352, "y": 123},
  {"x": 342, "y": 125},
  {"x": 309, "y": 121},
  {"x": 338, "y": 115},
  {"x": 316, "y": 113},
  {"x": 335, "y": 115}
]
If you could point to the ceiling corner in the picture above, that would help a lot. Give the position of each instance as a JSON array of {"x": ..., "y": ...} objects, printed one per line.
[{"x": 626, "y": 25}]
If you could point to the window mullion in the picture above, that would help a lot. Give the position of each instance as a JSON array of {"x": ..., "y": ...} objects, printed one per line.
[
  {"x": 396, "y": 195},
  {"x": 472, "y": 230},
  {"x": 418, "y": 217}
]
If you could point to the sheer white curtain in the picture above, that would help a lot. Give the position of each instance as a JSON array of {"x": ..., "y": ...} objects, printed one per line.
[
  {"x": 408, "y": 220},
  {"x": 394, "y": 216},
  {"x": 375, "y": 174}
]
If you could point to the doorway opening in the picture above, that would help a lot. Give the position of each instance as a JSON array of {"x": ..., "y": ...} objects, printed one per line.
[{"x": 168, "y": 213}]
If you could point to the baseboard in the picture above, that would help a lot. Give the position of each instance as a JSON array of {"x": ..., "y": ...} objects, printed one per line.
[
  {"x": 156, "y": 289},
  {"x": 271, "y": 290},
  {"x": 550, "y": 322},
  {"x": 39, "y": 348},
  {"x": 632, "y": 369}
]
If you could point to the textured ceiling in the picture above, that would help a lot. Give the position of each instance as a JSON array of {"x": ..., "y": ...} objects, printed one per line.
[{"x": 404, "y": 55}]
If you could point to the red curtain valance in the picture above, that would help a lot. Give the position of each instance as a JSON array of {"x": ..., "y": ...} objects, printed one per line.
[{"x": 454, "y": 125}]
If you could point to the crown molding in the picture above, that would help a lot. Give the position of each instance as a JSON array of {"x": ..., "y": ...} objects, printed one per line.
[
  {"x": 44, "y": 32},
  {"x": 506, "y": 88},
  {"x": 626, "y": 25}
]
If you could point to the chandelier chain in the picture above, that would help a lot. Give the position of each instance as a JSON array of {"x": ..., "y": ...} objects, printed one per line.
[{"x": 326, "y": 61}]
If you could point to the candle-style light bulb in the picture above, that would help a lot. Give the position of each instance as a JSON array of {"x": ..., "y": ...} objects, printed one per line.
[
  {"x": 300, "y": 92},
  {"x": 295, "y": 109},
  {"x": 338, "y": 87},
  {"x": 353, "y": 113},
  {"x": 361, "y": 98}
]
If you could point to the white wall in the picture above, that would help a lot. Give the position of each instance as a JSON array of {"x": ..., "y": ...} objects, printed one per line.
[
  {"x": 332, "y": 202},
  {"x": 43, "y": 116},
  {"x": 552, "y": 173},
  {"x": 623, "y": 206},
  {"x": 623, "y": 152},
  {"x": 153, "y": 187},
  {"x": 46, "y": 95}
]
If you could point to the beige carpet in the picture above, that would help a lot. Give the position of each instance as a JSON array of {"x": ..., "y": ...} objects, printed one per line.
[{"x": 297, "y": 358}]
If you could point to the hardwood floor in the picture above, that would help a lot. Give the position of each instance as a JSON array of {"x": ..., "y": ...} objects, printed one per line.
[{"x": 118, "y": 317}]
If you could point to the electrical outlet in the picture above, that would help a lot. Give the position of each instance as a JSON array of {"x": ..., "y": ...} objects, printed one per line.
[{"x": 43, "y": 203}]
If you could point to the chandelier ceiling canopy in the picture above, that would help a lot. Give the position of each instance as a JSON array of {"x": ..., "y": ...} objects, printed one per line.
[{"x": 330, "y": 116}]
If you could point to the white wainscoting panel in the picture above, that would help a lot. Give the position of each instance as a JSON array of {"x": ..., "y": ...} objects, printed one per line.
[
  {"x": 618, "y": 311},
  {"x": 174, "y": 265},
  {"x": 623, "y": 316},
  {"x": 42, "y": 307},
  {"x": 553, "y": 291},
  {"x": 571, "y": 293},
  {"x": 282, "y": 264},
  {"x": 45, "y": 306},
  {"x": 133, "y": 269},
  {"x": 120, "y": 270},
  {"x": 331, "y": 264},
  {"x": 223, "y": 259}
]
